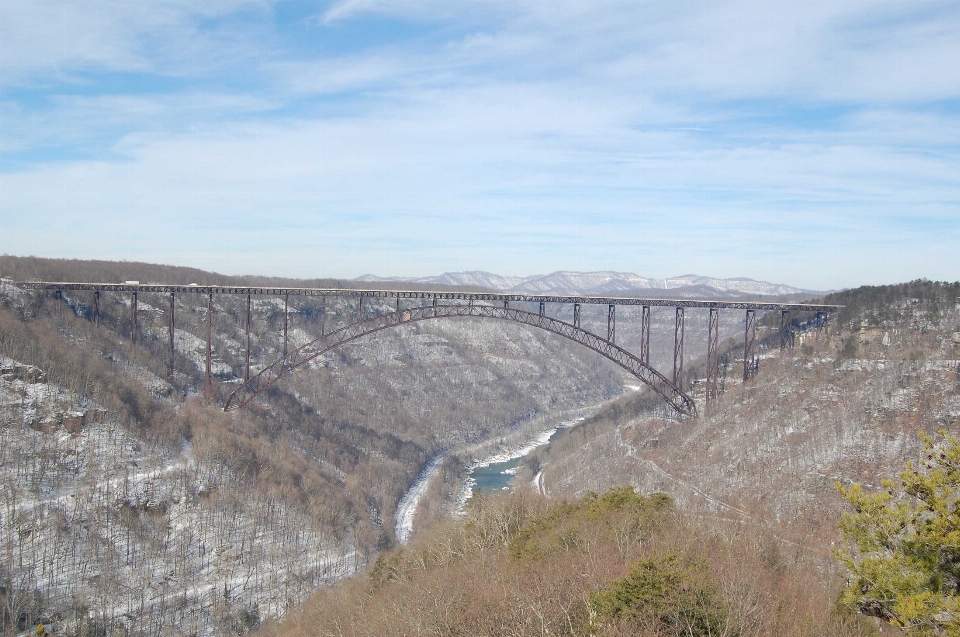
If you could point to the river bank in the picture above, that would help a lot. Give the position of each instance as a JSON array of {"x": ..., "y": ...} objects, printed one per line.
[{"x": 494, "y": 462}]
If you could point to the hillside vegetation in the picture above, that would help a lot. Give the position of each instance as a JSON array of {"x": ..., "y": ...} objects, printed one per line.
[
  {"x": 740, "y": 539},
  {"x": 613, "y": 564},
  {"x": 132, "y": 505},
  {"x": 846, "y": 404}
]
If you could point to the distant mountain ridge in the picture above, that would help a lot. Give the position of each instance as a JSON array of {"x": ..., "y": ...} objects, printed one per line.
[{"x": 598, "y": 283}]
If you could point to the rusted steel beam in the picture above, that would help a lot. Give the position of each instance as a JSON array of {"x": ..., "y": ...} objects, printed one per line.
[
  {"x": 271, "y": 374},
  {"x": 749, "y": 337},
  {"x": 208, "y": 389},
  {"x": 678, "y": 351},
  {"x": 173, "y": 329},
  {"x": 133, "y": 317},
  {"x": 246, "y": 368},
  {"x": 428, "y": 295},
  {"x": 713, "y": 356},
  {"x": 286, "y": 302},
  {"x": 645, "y": 334},
  {"x": 784, "y": 328}
]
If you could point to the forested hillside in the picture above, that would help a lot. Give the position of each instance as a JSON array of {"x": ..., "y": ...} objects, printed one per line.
[
  {"x": 616, "y": 564},
  {"x": 740, "y": 539},
  {"x": 845, "y": 404},
  {"x": 131, "y": 504}
]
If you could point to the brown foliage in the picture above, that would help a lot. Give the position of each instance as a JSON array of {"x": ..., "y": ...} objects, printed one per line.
[{"x": 525, "y": 565}]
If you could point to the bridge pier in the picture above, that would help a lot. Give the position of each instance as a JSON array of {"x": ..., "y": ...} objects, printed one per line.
[
  {"x": 749, "y": 336},
  {"x": 96, "y": 308},
  {"x": 543, "y": 308},
  {"x": 323, "y": 314},
  {"x": 713, "y": 356},
  {"x": 576, "y": 315},
  {"x": 784, "y": 329},
  {"x": 246, "y": 369},
  {"x": 208, "y": 389},
  {"x": 286, "y": 305},
  {"x": 172, "y": 329},
  {"x": 133, "y": 318},
  {"x": 645, "y": 334},
  {"x": 612, "y": 324},
  {"x": 678, "y": 351}
]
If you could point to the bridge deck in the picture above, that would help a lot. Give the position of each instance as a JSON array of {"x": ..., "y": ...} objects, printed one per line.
[{"x": 424, "y": 295}]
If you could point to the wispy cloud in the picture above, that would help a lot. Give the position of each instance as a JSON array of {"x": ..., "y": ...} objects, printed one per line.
[{"x": 792, "y": 140}]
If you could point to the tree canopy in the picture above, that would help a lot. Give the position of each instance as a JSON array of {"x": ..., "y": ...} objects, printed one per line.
[{"x": 904, "y": 553}]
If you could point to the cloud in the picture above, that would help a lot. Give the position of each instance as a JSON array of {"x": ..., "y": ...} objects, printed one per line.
[
  {"x": 44, "y": 41},
  {"x": 803, "y": 140}
]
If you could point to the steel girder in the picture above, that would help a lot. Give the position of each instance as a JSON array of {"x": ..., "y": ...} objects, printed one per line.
[
  {"x": 490, "y": 297},
  {"x": 271, "y": 374}
]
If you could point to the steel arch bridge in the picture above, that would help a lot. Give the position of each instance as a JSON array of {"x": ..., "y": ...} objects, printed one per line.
[
  {"x": 462, "y": 304},
  {"x": 271, "y": 374}
]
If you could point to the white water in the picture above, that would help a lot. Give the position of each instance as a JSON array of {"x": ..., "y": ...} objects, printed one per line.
[{"x": 407, "y": 508}]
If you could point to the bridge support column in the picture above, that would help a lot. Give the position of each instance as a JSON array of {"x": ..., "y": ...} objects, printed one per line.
[
  {"x": 645, "y": 334},
  {"x": 749, "y": 336},
  {"x": 506, "y": 304},
  {"x": 133, "y": 318},
  {"x": 678, "y": 351},
  {"x": 173, "y": 328},
  {"x": 286, "y": 305},
  {"x": 543, "y": 308},
  {"x": 612, "y": 324},
  {"x": 208, "y": 389},
  {"x": 784, "y": 329},
  {"x": 246, "y": 368},
  {"x": 820, "y": 322},
  {"x": 360, "y": 308},
  {"x": 713, "y": 356},
  {"x": 96, "y": 308},
  {"x": 576, "y": 315},
  {"x": 59, "y": 297},
  {"x": 323, "y": 314}
]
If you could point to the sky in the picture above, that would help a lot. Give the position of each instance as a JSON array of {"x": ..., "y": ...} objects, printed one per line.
[{"x": 810, "y": 143}]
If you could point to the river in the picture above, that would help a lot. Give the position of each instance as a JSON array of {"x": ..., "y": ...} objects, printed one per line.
[
  {"x": 494, "y": 473},
  {"x": 498, "y": 475}
]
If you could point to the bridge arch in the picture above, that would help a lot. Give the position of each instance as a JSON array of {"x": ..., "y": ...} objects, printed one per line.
[{"x": 272, "y": 374}]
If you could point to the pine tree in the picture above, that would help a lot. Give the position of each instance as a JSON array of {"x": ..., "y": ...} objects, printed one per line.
[{"x": 905, "y": 567}]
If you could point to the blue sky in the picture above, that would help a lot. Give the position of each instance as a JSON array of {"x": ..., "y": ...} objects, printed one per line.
[{"x": 809, "y": 143}]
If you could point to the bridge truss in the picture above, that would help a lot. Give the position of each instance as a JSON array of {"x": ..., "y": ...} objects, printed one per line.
[{"x": 449, "y": 304}]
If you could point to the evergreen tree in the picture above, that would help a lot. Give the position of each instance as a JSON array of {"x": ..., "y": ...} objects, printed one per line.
[{"x": 905, "y": 567}]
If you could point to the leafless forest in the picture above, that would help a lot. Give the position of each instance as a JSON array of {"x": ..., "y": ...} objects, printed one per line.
[{"x": 132, "y": 506}]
